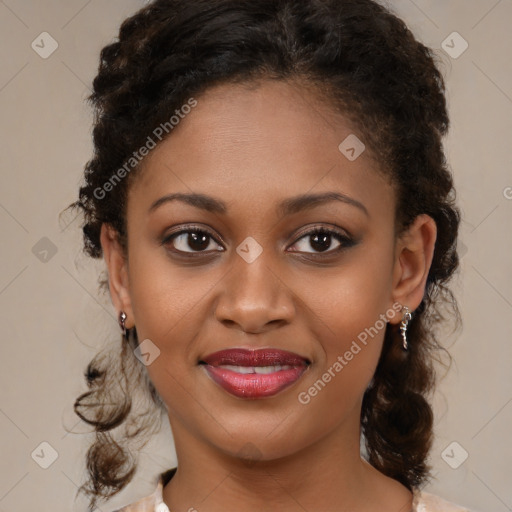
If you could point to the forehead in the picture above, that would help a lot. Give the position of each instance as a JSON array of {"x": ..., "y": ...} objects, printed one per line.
[{"x": 257, "y": 144}]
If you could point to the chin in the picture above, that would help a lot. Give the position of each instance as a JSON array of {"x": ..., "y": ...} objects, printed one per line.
[{"x": 261, "y": 441}]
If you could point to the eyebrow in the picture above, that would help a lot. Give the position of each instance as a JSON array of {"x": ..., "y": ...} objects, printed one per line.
[{"x": 287, "y": 207}]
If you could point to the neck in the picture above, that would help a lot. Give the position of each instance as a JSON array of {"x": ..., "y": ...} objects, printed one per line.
[{"x": 326, "y": 475}]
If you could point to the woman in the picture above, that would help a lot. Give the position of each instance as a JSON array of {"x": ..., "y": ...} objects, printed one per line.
[{"x": 270, "y": 195}]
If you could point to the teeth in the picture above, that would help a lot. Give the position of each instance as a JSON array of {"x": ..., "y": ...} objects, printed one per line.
[
  {"x": 255, "y": 369},
  {"x": 262, "y": 370},
  {"x": 238, "y": 369}
]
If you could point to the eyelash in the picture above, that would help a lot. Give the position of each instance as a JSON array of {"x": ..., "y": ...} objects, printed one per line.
[{"x": 344, "y": 240}]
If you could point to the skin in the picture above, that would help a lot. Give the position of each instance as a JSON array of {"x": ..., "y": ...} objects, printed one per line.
[{"x": 253, "y": 147}]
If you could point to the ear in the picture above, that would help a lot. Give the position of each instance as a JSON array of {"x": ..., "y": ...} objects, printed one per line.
[
  {"x": 117, "y": 272},
  {"x": 414, "y": 251}
]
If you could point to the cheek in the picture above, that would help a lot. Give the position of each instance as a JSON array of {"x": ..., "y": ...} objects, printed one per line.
[
  {"x": 169, "y": 304},
  {"x": 347, "y": 311},
  {"x": 351, "y": 331},
  {"x": 351, "y": 299},
  {"x": 163, "y": 296}
]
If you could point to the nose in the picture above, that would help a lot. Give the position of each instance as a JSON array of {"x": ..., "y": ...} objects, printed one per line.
[{"x": 254, "y": 298}]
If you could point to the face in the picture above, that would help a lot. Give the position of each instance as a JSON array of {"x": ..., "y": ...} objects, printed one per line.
[{"x": 253, "y": 264}]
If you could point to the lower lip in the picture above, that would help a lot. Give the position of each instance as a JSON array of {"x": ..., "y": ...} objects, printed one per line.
[{"x": 254, "y": 385}]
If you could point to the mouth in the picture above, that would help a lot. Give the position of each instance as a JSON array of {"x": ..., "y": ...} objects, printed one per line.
[{"x": 254, "y": 374}]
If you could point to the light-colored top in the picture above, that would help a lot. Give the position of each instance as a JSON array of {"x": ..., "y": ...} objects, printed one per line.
[{"x": 422, "y": 501}]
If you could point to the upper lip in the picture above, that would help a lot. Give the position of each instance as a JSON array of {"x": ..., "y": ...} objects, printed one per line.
[{"x": 255, "y": 357}]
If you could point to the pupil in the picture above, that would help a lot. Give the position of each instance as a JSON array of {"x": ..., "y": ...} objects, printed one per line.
[
  {"x": 198, "y": 241},
  {"x": 321, "y": 242}
]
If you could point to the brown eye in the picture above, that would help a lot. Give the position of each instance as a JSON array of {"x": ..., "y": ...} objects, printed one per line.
[
  {"x": 191, "y": 241},
  {"x": 322, "y": 239}
]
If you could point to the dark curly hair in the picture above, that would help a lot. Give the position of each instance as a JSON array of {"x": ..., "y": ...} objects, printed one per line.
[{"x": 364, "y": 61}]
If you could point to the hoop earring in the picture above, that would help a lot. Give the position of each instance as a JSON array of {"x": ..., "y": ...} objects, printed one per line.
[
  {"x": 403, "y": 326},
  {"x": 122, "y": 320}
]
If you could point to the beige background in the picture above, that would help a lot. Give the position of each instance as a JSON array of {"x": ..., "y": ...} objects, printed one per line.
[{"x": 53, "y": 320}]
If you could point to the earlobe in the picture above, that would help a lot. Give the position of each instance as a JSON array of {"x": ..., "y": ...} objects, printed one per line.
[
  {"x": 414, "y": 254},
  {"x": 117, "y": 267}
]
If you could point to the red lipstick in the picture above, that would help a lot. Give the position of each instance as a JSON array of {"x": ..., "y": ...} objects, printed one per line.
[{"x": 254, "y": 373}]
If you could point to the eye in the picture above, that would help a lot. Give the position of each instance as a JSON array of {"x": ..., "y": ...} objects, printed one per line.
[
  {"x": 321, "y": 238},
  {"x": 191, "y": 240},
  {"x": 196, "y": 240}
]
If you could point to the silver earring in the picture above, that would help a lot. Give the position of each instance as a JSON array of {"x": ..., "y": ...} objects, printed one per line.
[
  {"x": 122, "y": 320},
  {"x": 403, "y": 326}
]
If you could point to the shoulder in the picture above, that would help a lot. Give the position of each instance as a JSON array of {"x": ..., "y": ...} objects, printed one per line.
[
  {"x": 147, "y": 504},
  {"x": 154, "y": 502},
  {"x": 426, "y": 502}
]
